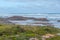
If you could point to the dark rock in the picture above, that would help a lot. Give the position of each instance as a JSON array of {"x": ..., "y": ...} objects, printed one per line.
[
  {"x": 58, "y": 20},
  {"x": 27, "y": 18},
  {"x": 41, "y": 19},
  {"x": 17, "y": 18},
  {"x": 4, "y": 21},
  {"x": 20, "y": 18}
]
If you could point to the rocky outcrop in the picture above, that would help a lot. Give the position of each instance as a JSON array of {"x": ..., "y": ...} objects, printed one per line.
[
  {"x": 41, "y": 19},
  {"x": 27, "y": 18},
  {"x": 17, "y": 18},
  {"x": 58, "y": 20},
  {"x": 4, "y": 21},
  {"x": 20, "y": 18}
]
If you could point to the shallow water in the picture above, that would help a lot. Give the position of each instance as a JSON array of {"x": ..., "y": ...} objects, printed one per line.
[{"x": 31, "y": 22}]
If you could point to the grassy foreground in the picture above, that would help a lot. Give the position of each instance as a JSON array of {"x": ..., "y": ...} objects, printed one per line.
[{"x": 20, "y": 32}]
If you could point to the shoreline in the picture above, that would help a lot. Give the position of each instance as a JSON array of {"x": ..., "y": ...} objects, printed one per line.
[{"x": 30, "y": 21}]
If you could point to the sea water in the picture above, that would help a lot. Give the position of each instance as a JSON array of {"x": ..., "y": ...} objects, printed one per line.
[{"x": 53, "y": 17}]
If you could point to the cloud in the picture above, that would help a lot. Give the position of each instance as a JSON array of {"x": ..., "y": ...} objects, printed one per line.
[{"x": 30, "y": 6}]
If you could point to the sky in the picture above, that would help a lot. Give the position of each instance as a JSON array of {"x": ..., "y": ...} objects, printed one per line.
[{"x": 29, "y": 6}]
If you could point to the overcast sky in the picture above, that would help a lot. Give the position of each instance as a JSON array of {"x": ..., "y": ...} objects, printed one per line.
[{"x": 29, "y": 6}]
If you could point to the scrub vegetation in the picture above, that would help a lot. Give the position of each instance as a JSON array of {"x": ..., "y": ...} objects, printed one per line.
[{"x": 24, "y": 32}]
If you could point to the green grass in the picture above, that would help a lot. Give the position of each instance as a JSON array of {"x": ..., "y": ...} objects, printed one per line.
[{"x": 20, "y": 32}]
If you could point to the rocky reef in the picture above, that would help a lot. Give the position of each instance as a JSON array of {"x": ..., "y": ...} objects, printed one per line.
[{"x": 27, "y": 18}]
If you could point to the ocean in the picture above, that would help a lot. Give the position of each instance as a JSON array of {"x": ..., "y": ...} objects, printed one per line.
[
  {"x": 53, "y": 17},
  {"x": 37, "y": 15}
]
